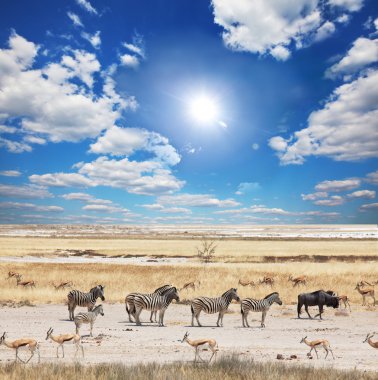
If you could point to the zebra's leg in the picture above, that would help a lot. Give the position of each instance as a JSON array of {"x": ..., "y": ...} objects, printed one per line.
[
  {"x": 161, "y": 317},
  {"x": 197, "y": 315},
  {"x": 91, "y": 323},
  {"x": 219, "y": 319},
  {"x": 137, "y": 314},
  {"x": 263, "y": 318}
]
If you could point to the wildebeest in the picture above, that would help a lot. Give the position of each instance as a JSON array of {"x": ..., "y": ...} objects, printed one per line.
[{"x": 318, "y": 298}]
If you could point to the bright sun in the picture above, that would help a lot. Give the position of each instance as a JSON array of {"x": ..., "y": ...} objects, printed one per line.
[{"x": 203, "y": 109}]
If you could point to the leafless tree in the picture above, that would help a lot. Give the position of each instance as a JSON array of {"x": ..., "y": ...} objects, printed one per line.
[{"x": 207, "y": 250}]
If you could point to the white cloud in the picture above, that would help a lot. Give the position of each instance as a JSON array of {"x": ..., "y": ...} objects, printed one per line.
[
  {"x": 338, "y": 186},
  {"x": 129, "y": 60},
  {"x": 368, "y": 207},
  {"x": 154, "y": 206},
  {"x": 34, "y": 140},
  {"x": 61, "y": 180},
  {"x": 93, "y": 39},
  {"x": 372, "y": 177},
  {"x": 280, "y": 52},
  {"x": 75, "y": 19},
  {"x": 125, "y": 141},
  {"x": 29, "y": 206},
  {"x": 104, "y": 208},
  {"x": 85, "y": 4},
  {"x": 175, "y": 210},
  {"x": 196, "y": 200},
  {"x": 349, "y": 5},
  {"x": 137, "y": 46},
  {"x": 6, "y": 128},
  {"x": 363, "y": 52},
  {"x": 366, "y": 194},
  {"x": 346, "y": 129},
  {"x": 49, "y": 102},
  {"x": 314, "y": 196},
  {"x": 247, "y": 187},
  {"x": 326, "y": 30},
  {"x": 84, "y": 197},
  {"x": 334, "y": 200},
  {"x": 24, "y": 191},
  {"x": 10, "y": 173}
]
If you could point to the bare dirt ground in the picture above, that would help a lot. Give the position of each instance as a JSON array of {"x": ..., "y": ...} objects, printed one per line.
[{"x": 117, "y": 340}]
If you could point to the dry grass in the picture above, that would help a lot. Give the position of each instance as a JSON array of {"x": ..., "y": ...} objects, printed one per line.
[
  {"x": 226, "y": 368},
  {"x": 232, "y": 250},
  {"x": 215, "y": 279}
]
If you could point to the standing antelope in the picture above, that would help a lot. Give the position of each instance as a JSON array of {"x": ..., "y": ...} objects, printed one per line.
[
  {"x": 213, "y": 305},
  {"x": 267, "y": 281},
  {"x": 299, "y": 280},
  {"x": 25, "y": 284},
  {"x": 316, "y": 343},
  {"x": 155, "y": 302},
  {"x": 65, "y": 338},
  {"x": 88, "y": 317},
  {"x": 246, "y": 283},
  {"x": 249, "y": 304},
  {"x": 78, "y": 298},
  {"x": 345, "y": 300},
  {"x": 31, "y": 344},
  {"x": 200, "y": 342},
  {"x": 62, "y": 285},
  {"x": 129, "y": 301},
  {"x": 368, "y": 339},
  {"x": 369, "y": 292},
  {"x": 12, "y": 274},
  {"x": 190, "y": 285}
]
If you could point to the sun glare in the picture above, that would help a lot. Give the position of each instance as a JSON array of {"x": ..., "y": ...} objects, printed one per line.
[{"x": 203, "y": 109}]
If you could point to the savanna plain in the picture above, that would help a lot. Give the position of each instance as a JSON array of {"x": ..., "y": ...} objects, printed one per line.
[{"x": 140, "y": 260}]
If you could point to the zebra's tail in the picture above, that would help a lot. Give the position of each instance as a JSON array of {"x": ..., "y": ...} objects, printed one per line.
[
  {"x": 191, "y": 308},
  {"x": 241, "y": 309},
  {"x": 127, "y": 309}
]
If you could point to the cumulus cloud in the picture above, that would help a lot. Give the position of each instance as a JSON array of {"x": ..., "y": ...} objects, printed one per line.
[
  {"x": 368, "y": 207},
  {"x": 349, "y": 5},
  {"x": 129, "y": 60},
  {"x": 366, "y": 194},
  {"x": 137, "y": 46},
  {"x": 24, "y": 191},
  {"x": 196, "y": 200},
  {"x": 372, "y": 177},
  {"x": 10, "y": 173},
  {"x": 75, "y": 19},
  {"x": 85, "y": 4},
  {"x": 345, "y": 129},
  {"x": 61, "y": 180},
  {"x": 338, "y": 186},
  {"x": 363, "y": 52},
  {"x": 314, "y": 196},
  {"x": 29, "y": 206},
  {"x": 334, "y": 200},
  {"x": 84, "y": 197},
  {"x": 247, "y": 187},
  {"x": 324, "y": 31},
  {"x": 125, "y": 141},
  {"x": 104, "y": 208},
  {"x": 93, "y": 39}
]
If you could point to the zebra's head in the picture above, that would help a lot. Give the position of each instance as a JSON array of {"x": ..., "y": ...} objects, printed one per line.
[
  {"x": 98, "y": 292},
  {"x": 2, "y": 339},
  {"x": 274, "y": 297},
  {"x": 49, "y": 332},
  {"x": 99, "y": 310},
  {"x": 231, "y": 294},
  {"x": 185, "y": 337},
  {"x": 172, "y": 294}
]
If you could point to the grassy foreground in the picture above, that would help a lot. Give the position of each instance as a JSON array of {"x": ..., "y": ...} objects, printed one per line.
[{"x": 225, "y": 368}]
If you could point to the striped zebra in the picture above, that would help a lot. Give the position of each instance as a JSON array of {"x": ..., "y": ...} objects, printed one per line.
[
  {"x": 213, "y": 305},
  {"x": 129, "y": 301},
  {"x": 155, "y": 302},
  {"x": 88, "y": 317},
  {"x": 250, "y": 304},
  {"x": 78, "y": 298}
]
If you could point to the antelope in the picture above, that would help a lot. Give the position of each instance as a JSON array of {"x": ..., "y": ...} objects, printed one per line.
[
  {"x": 200, "y": 342},
  {"x": 31, "y": 344},
  {"x": 267, "y": 281},
  {"x": 246, "y": 283},
  {"x": 25, "y": 284},
  {"x": 365, "y": 292},
  {"x": 63, "y": 285},
  {"x": 190, "y": 285},
  {"x": 363, "y": 283},
  {"x": 316, "y": 343},
  {"x": 66, "y": 338},
  {"x": 298, "y": 280},
  {"x": 368, "y": 339},
  {"x": 345, "y": 300},
  {"x": 12, "y": 274}
]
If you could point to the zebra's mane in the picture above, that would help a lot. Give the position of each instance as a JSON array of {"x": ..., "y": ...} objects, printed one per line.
[
  {"x": 229, "y": 291},
  {"x": 162, "y": 287},
  {"x": 269, "y": 295}
]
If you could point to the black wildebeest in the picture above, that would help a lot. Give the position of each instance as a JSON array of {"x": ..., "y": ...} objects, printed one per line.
[{"x": 318, "y": 298}]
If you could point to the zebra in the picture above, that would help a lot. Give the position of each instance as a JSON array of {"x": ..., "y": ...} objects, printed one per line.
[
  {"x": 155, "y": 302},
  {"x": 78, "y": 298},
  {"x": 213, "y": 305},
  {"x": 88, "y": 317},
  {"x": 250, "y": 304},
  {"x": 129, "y": 301}
]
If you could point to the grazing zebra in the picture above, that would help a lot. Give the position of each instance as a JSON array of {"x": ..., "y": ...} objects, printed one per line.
[
  {"x": 88, "y": 317},
  {"x": 78, "y": 298},
  {"x": 155, "y": 302},
  {"x": 129, "y": 301},
  {"x": 213, "y": 305},
  {"x": 250, "y": 304}
]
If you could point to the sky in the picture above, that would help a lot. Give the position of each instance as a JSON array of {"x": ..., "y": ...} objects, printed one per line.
[{"x": 189, "y": 112}]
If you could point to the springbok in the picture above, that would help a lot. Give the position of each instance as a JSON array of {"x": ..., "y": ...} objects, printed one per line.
[
  {"x": 299, "y": 280},
  {"x": 200, "y": 342},
  {"x": 246, "y": 283},
  {"x": 190, "y": 285},
  {"x": 25, "y": 284},
  {"x": 62, "y": 285},
  {"x": 316, "y": 343},
  {"x": 65, "y": 338},
  {"x": 369, "y": 292},
  {"x": 368, "y": 339},
  {"x": 267, "y": 281},
  {"x": 31, "y": 344},
  {"x": 12, "y": 274}
]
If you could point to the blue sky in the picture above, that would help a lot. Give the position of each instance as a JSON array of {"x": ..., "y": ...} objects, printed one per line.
[{"x": 217, "y": 112}]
